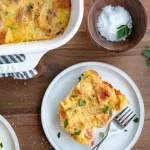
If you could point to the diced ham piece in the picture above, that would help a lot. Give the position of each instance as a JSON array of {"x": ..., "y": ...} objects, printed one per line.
[
  {"x": 58, "y": 24},
  {"x": 20, "y": 15},
  {"x": 90, "y": 135},
  {"x": 48, "y": 32},
  {"x": 51, "y": 13}
]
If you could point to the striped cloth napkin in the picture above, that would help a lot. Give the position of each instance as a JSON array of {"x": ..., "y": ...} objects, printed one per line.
[{"x": 16, "y": 59}]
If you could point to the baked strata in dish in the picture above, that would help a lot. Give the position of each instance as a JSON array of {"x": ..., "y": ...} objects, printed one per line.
[
  {"x": 89, "y": 105},
  {"x": 31, "y": 20}
]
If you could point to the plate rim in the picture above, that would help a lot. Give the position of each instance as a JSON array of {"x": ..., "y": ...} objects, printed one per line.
[
  {"x": 102, "y": 64},
  {"x": 11, "y": 131}
]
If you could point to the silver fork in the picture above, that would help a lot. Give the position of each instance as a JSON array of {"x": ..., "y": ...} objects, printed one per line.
[{"x": 118, "y": 124}]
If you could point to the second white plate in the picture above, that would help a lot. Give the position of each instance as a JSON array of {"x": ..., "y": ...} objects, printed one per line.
[
  {"x": 10, "y": 141},
  {"x": 59, "y": 89}
]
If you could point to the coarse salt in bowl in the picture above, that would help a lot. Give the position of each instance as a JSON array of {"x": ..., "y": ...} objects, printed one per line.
[
  {"x": 110, "y": 19},
  {"x": 137, "y": 24}
]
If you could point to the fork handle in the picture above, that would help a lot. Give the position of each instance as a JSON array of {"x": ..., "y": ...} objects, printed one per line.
[{"x": 98, "y": 145}]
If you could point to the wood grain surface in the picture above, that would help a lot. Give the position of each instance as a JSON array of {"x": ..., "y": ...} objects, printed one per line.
[{"x": 24, "y": 114}]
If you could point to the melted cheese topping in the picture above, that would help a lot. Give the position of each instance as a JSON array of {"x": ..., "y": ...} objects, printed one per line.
[
  {"x": 30, "y": 20},
  {"x": 90, "y": 104}
]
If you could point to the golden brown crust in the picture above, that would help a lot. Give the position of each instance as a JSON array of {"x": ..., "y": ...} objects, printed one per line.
[
  {"x": 3, "y": 34},
  {"x": 62, "y": 4}
]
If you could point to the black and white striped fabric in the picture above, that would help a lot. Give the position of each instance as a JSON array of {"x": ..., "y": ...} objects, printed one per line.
[{"x": 16, "y": 59}]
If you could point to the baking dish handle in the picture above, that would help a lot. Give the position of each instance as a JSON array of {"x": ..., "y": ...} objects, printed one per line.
[{"x": 31, "y": 60}]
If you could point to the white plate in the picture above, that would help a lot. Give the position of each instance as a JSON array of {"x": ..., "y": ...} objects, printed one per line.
[
  {"x": 10, "y": 141},
  {"x": 59, "y": 89}
]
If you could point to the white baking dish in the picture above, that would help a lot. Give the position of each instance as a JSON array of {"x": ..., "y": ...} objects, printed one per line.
[{"x": 33, "y": 51}]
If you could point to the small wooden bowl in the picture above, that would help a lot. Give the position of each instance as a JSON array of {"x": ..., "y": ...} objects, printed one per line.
[{"x": 139, "y": 18}]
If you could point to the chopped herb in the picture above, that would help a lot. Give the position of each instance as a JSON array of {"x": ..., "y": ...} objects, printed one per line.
[
  {"x": 10, "y": 103},
  {"x": 77, "y": 133},
  {"x": 73, "y": 96},
  {"x": 35, "y": 17},
  {"x": 125, "y": 130},
  {"x": 11, "y": 27},
  {"x": 29, "y": 7},
  {"x": 1, "y": 145},
  {"x": 79, "y": 78},
  {"x": 110, "y": 112},
  {"x": 123, "y": 31},
  {"x": 65, "y": 123},
  {"x": 136, "y": 120},
  {"x": 146, "y": 53},
  {"x": 105, "y": 109},
  {"x": 101, "y": 124},
  {"x": 59, "y": 134},
  {"x": 148, "y": 62},
  {"x": 6, "y": 13},
  {"x": 102, "y": 134},
  {"x": 70, "y": 108},
  {"x": 81, "y": 102},
  {"x": 86, "y": 76}
]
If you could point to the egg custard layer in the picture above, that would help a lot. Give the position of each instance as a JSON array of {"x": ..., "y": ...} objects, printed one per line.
[
  {"x": 31, "y": 20},
  {"x": 90, "y": 104}
]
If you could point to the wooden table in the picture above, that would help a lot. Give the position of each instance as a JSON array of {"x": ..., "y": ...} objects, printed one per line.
[{"x": 24, "y": 114}]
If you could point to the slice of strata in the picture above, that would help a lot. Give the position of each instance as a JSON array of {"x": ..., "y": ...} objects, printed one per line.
[
  {"x": 89, "y": 104},
  {"x": 1, "y": 144}
]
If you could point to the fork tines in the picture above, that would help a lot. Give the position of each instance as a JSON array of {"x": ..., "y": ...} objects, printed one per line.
[{"x": 125, "y": 116}]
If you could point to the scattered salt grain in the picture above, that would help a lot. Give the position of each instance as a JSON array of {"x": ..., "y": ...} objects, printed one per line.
[{"x": 110, "y": 19}]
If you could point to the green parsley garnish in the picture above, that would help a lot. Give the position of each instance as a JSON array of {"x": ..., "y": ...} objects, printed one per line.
[
  {"x": 86, "y": 76},
  {"x": 1, "y": 145},
  {"x": 73, "y": 96},
  {"x": 148, "y": 62},
  {"x": 6, "y": 13},
  {"x": 146, "y": 53},
  {"x": 136, "y": 120},
  {"x": 123, "y": 30},
  {"x": 65, "y": 123},
  {"x": 105, "y": 109},
  {"x": 81, "y": 102},
  {"x": 11, "y": 27},
  {"x": 70, "y": 108},
  {"x": 101, "y": 124},
  {"x": 110, "y": 112},
  {"x": 59, "y": 134},
  {"x": 35, "y": 17},
  {"x": 10, "y": 103},
  {"x": 29, "y": 7},
  {"x": 125, "y": 130},
  {"x": 77, "y": 133},
  {"x": 79, "y": 78},
  {"x": 102, "y": 134}
]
